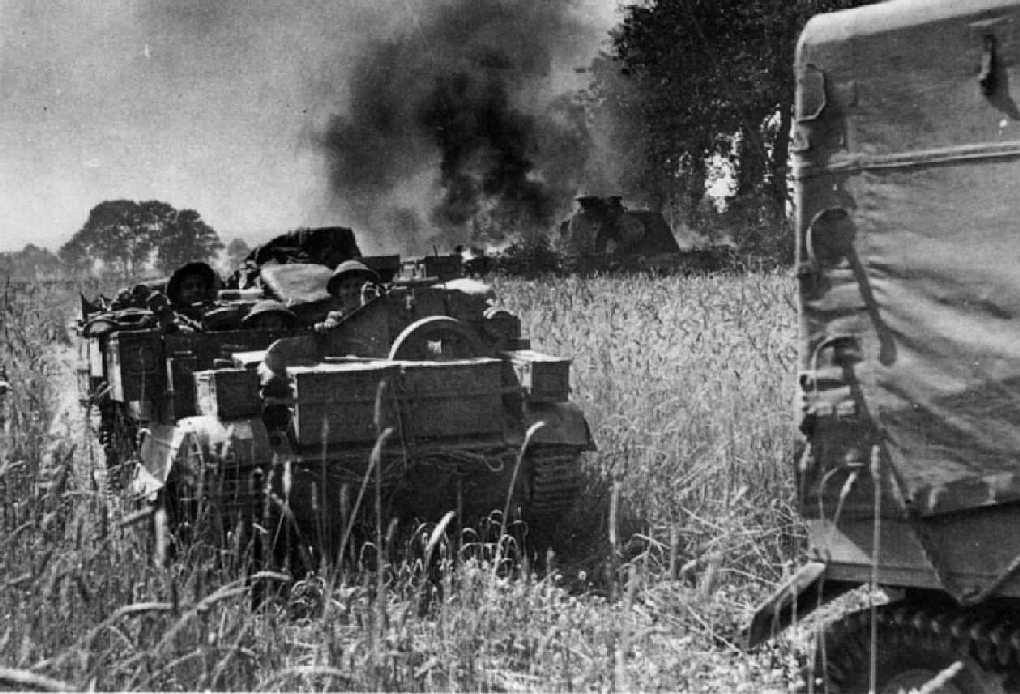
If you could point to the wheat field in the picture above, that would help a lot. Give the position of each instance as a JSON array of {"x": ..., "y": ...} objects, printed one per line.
[{"x": 686, "y": 523}]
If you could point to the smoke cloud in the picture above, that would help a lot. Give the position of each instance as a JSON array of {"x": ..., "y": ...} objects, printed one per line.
[{"x": 463, "y": 126}]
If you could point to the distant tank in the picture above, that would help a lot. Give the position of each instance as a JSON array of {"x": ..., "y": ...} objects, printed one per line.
[
  {"x": 196, "y": 425},
  {"x": 603, "y": 232}
]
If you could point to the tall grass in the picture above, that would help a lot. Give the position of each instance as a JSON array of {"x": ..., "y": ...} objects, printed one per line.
[{"x": 685, "y": 382}]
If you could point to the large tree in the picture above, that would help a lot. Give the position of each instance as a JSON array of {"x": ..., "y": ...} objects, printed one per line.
[
  {"x": 180, "y": 236},
  {"x": 129, "y": 237},
  {"x": 704, "y": 78}
]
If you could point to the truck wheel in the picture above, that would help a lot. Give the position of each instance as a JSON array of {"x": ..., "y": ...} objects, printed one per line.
[{"x": 906, "y": 660}]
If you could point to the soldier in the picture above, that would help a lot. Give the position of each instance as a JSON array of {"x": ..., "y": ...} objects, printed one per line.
[
  {"x": 350, "y": 285},
  {"x": 270, "y": 314},
  {"x": 192, "y": 290}
]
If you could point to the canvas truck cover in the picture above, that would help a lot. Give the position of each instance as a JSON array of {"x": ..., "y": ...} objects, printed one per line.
[{"x": 907, "y": 174}]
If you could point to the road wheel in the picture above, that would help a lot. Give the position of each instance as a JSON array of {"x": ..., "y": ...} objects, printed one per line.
[{"x": 907, "y": 659}]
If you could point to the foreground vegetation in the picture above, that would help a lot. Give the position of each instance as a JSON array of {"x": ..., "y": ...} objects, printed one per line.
[{"x": 685, "y": 525}]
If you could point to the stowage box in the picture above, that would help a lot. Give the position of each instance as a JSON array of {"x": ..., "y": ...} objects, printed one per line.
[
  {"x": 132, "y": 363},
  {"x": 424, "y": 400},
  {"x": 461, "y": 398},
  {"x": 336, "y": 402},
  {"x": 227, "y": 393},
  {"x": 543, "y": 377}
]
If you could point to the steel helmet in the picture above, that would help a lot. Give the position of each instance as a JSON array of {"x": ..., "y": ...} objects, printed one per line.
[
  {"x": 351, "y": 268},
  {"x": 270, "y": 306}
]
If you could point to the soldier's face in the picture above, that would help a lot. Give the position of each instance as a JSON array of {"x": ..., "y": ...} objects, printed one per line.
[
  {"x": 192, "y": 290},
  {"x": 349, "y": 292}
]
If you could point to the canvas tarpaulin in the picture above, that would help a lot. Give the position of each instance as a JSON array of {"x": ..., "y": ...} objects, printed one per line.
[{"x": 908, "y": 180}]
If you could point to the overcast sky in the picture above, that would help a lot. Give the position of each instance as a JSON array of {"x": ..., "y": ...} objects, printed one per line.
[{"x": 201, "y": 104}]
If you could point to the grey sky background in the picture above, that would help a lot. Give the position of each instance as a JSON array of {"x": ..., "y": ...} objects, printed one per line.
[{"x": 206, "y": 105}]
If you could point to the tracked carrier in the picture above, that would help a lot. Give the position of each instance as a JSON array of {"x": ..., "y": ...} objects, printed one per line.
[
  {"x": 907, "y": 167},
  {"x": 275, "y": 430}
]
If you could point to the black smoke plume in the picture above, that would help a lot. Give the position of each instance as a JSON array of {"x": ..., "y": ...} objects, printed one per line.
[{"x": 454, "y": 130}]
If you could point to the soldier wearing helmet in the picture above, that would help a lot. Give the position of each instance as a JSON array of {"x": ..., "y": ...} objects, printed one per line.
[
  {"x": 192, "y": 292},
  {"x": 270, "y": 314},
  {"x": 191, "y": 288},
  {"x": 350, "y": 285}
]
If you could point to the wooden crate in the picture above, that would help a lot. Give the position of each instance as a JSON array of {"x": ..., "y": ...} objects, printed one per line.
[
  {"x": 461, "y": 398},
  {"x": 133, "y": 365},
  {"x": 228, "y": 393},
  {"x": 543, "y": 377},
  {"x": 338, "y": 398}
]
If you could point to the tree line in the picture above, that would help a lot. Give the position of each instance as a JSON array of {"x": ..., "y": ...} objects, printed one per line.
[
  {"x": 127, "y": 238},
  {"x": 689, "y": 87},
  {"x": 130, "y": 237},
  {"x": 688, "y": 91}
]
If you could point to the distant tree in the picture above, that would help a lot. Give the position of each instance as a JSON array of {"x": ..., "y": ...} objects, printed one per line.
[
  {"x": 114, "y": 234},
  {"x": 180, "y": 236},
  {"x": 707, "y": 79},
  {"x": 37, "y": 262},
  {"x": 30, "y": 262},
  {"x": 75, "y": 255},
  {"x": 129, "y": 237},
  {"x": 237, "y": 250}
]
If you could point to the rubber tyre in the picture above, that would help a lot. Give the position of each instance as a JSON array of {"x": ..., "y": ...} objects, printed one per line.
[{"x": 906, "y": 660}]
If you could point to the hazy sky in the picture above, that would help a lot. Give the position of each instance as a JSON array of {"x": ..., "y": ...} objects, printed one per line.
[{"x": 202, "y": 104}]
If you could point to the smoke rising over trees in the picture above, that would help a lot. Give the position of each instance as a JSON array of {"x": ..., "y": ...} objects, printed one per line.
[
  {"x": 455, "y": 131},
  {"x": 431, "y": 122},
  {"x": 455, "y": 127}
]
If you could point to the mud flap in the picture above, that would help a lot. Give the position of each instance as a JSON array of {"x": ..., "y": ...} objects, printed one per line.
[
  {"x": 797, "y": 597},
  {"x": 564, "y": 424}
]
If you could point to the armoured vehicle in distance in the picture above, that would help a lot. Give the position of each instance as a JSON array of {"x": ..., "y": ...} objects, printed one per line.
[
  {"x": 906, "y": 161},
  {"x": 603, "y": 234},
  {"x": 196, "y": 424}
]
